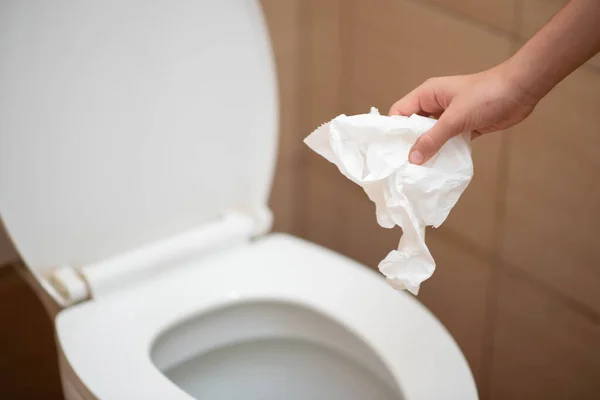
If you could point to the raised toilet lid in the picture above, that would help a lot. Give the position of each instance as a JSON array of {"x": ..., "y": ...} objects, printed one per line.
[{"x": 122, "y": 123}]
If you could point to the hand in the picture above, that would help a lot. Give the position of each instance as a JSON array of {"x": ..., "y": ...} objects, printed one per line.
[{"x": 480, "y": 103}]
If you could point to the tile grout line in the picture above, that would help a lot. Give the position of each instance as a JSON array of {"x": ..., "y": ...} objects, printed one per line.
[
  {"x": 303, "y": 78},
  {"x": 475, "y": 251},
  {"x": 344, "y": 75},
  {"x": 347, "y": 52},
  {"x": 490, "y": 332},
  {"x": 577, "y": 307},
  {"x": 498, "y": 263},
  {"x": 489, "y": 336},
  {"x": 464, "y": 18}
]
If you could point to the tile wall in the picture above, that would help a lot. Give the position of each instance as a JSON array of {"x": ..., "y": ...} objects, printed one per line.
[{"x": 518, "y": 264}]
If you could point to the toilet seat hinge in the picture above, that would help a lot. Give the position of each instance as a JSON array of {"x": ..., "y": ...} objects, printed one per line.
[{"x": 94, "y": 280}]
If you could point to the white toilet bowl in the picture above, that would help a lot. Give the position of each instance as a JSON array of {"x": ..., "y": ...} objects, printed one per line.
[
  {"x": 278, "y": 318},
  {"x": 137, "y": 144}
]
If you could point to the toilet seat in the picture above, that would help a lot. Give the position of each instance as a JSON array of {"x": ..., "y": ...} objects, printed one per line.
[{"x": 120, "y": 329}]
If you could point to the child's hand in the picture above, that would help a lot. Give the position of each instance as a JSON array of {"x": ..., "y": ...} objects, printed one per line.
[{"x": 480, "y": 103}]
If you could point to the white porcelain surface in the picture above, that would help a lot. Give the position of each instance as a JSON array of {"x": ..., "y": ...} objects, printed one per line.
[
  {"x": 108, "y": 342},
  {"x": 127, "y": 122}
]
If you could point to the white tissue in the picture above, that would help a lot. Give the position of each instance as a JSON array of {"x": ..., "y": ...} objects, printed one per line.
[{"x": 372, "y": 151}]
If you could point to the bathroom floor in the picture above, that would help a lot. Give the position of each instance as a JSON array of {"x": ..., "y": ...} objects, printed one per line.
[{"x": 28, "y": 361}]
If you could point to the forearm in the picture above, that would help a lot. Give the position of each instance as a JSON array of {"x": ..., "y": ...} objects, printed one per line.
[{"x": 565, "y": 43}]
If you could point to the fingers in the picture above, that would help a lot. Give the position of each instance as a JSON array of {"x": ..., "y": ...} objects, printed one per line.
[
  {"x": 433, "y": 97},
  {"x": 422, "y": 100},
  {"x": 475, "y": 135},
  {"x": 432, "y": 141},
  {"x": 408, "y": 105}
]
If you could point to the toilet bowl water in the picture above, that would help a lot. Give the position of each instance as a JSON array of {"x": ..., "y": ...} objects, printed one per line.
[
  {"x": 273, "y": 369},
  {"x": 279, "y": 350}
]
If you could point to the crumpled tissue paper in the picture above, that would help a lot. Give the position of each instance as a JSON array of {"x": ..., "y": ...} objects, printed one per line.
[{"x": 372, "y": 151}]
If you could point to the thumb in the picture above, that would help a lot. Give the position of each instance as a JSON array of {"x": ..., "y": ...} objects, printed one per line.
[{"x": 432, "y": 141}]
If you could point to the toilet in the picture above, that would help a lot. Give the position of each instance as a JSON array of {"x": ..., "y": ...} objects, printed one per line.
[{"x": 137, "y": 149}]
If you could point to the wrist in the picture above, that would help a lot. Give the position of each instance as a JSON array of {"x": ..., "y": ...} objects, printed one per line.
[{"x": 526, "y": 78}]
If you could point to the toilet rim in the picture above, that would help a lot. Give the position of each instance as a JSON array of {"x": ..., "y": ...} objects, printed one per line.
[{"x": 121, "y": 329}]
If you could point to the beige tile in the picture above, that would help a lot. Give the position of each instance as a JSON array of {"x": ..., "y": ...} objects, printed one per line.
[
  {"x": 342, "y": 217},
  {"x": 321, "y": 216},
  {"x": 457, "y": 293},
  {"x": 497, "y": 13},
  {"x": 322, "y": 65},
  {"x": 362, "y": 238},
  {"x": 474, "y": 216},
  {"x": 543, "y": 349},
  {"x": 399, "y": 44},
  {"x": 535, "y": 13},
  {"x": 283, "y": 198},
  {"x": 283, "y": 19},
  {"x": 320, "y": 91},
  {"x": 553, "y": 196}
]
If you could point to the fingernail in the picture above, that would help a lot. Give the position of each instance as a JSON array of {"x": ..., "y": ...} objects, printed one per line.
[{"x": 416, "y": 157}]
